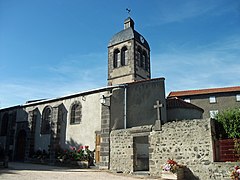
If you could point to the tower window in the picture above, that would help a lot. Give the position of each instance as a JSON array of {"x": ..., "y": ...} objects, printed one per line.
[
  {"x": 139, "y": 57},
  {"x": 46, "y": 120},
  {"x": 145, "y": 60},
  {"x": 4, "y": 126},
  {"x": 124, "y": 56},
  {"x": 116, "y": 58},
  {"x": 76, "y": 113}
]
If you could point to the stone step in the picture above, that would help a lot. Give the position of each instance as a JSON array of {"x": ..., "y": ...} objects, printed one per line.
[{"x": 141, "y": 173}]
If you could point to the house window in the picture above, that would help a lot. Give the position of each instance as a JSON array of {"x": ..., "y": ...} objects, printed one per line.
[
  {"x": 76, "y": 113},
  {"x": 238, "y": 97},
  {"x": 116, "y": 58},
  {"x": 4, "y": 125},
  {"x": 187, "y": 100},
  {"x": 212, "y": 99},
  {"x": 213, "y": 113},
  {"x": 124, "y": 56},
  {"x": 46, "y": 120}
]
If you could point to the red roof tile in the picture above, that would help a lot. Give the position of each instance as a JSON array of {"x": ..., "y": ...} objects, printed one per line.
[{"x": 203, "y": 91}]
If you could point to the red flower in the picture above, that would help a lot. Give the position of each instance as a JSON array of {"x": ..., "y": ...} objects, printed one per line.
[
  {"x": 86, "y": 147},
  {"x": 170, "y": 161}
]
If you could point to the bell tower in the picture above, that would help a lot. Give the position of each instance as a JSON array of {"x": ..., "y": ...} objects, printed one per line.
[{"x": 128, "y": 56}]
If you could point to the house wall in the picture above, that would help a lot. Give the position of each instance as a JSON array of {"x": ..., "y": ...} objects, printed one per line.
[{"x": 223, "y": 101}]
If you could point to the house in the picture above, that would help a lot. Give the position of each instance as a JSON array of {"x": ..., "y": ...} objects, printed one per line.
[{"x": 211, "y": 100}]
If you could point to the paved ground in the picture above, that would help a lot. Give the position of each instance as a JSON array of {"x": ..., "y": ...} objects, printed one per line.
[{"x": 26, "y": 171}]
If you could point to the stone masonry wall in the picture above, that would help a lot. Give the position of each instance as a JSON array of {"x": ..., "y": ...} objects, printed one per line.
[
  {"x": 121, "y": 156},
  {"x": 189, "y": 142}
]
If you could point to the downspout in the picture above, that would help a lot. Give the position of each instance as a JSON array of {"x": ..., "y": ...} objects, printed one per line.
[{"x": 125, "y": 108}]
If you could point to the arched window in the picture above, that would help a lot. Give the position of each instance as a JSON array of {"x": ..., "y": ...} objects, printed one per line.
[
  {"x": 124, "y": 56},
  {"x": 139, "y": 56},
  {"x": 116, "y": 58},
  {"x": 46, "y": 120},
  {"x": 76, "y": 113},
  {"x": 145, "y": 60},
  {"x": 4, "y": 125}
]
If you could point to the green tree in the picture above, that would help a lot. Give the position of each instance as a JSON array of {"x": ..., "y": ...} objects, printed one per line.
[{"x": 230, "y": 119}]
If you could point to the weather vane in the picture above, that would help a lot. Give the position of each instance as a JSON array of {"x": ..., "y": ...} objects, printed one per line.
[{"x": 128, "y": 11}]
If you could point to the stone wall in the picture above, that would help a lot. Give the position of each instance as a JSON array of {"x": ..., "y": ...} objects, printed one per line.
[
  {"x": 189, "y": 142},
  {"x": 121, "y": 155}
]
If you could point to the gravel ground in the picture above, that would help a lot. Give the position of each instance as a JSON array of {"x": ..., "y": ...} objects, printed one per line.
[{"x": 27, "y": 171}]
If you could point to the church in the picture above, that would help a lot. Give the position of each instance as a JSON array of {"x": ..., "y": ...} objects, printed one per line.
[
  {"x": 130, "y": 101},
  {"x": 87, "y": 118}
]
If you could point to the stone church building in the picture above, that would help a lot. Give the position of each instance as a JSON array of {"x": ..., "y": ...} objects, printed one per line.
[
  {"x": 131, "y": 109},
  {"x": 86, "y": 118}
]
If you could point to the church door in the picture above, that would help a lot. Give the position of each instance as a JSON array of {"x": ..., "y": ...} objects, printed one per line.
[{"x": 21, "y": 144}]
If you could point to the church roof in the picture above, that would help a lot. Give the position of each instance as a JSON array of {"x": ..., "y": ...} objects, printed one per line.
[
  {"x": 125, "y": 35},
  {"x": 203, "y": 91},
  {"x": 179, "y": 103}
]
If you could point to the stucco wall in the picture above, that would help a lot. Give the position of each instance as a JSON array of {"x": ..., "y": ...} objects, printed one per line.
[
  {"x": 141, "y": 98},
  {"x": 174, "y": 114},
  {"x": 74, "y": 134},
  {"x": 223, "y": 101}
]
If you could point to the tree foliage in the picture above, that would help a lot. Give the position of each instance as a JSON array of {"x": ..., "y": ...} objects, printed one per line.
[{"x": 230, "y": 119}]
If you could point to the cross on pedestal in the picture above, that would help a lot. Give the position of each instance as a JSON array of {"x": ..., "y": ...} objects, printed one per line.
[{"x": 158, "y": 125}]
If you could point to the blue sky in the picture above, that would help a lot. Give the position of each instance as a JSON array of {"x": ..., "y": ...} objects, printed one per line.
[{"x": 52, "y": 48}]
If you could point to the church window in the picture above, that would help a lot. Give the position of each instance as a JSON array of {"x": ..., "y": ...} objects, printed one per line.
[
  {"x": 4, "y": 125},
  {"x": 139, "y": 57},
  {"x": 124, "y": 56},
  {"x": 116, "y": 58},
  {"x": 76, "y": 113},
  {"x": 46, "y": 120},
  {"x": 212, "y": 99}
]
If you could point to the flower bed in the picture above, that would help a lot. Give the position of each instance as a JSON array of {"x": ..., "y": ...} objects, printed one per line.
[
  {"x": 172, "y": 170},
  {"x": 81, "y": 157},
  {"x": 235, "y": 174}
]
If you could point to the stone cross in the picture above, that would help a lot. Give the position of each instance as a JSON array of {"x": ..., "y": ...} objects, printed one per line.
[{"x": 158, "y": 125}]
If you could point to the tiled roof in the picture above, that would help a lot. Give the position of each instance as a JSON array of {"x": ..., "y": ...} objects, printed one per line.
[
  {"x": 203, "y": 91},
  {"x": 179, "y": 103}
]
